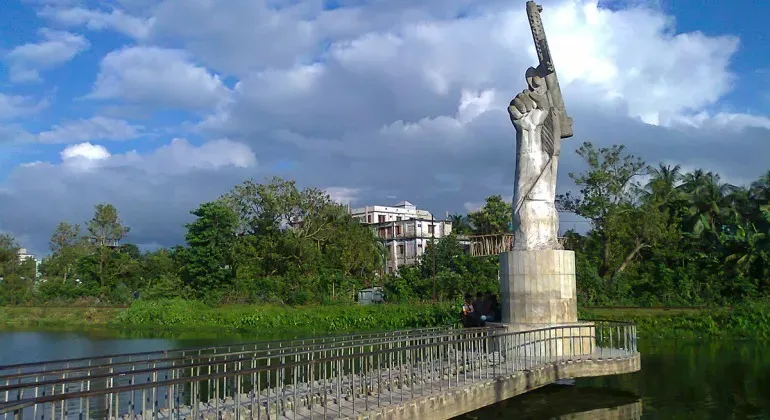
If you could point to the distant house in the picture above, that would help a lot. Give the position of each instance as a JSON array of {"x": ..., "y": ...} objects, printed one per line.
[
  {"x": 404, "y": 230},
  {"x": 371, "y": 295},
  {"x": 23, "y": 254}
]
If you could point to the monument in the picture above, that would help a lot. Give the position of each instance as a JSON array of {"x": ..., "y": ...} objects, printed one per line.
[{"x": 538, "y": 276}]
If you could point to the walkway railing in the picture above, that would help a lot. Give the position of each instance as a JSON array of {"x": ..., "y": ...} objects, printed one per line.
[
  {"x": 149, "y": 356},
  {"x": 314, "y": 380}
]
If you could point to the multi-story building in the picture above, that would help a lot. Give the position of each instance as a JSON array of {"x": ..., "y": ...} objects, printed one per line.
[
  {"x": 23, "y": 254},
  {"x": 404, "y": 230}
]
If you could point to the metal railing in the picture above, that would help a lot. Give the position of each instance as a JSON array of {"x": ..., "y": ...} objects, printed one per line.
[
  {"x": 310, "y": 381},
  {"x": 32, "y": 369}
]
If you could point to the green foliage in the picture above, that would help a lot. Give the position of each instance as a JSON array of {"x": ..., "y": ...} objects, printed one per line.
[
  {"x": 681, "y": 239},
  {"x": 495, "y": 217},
  {"x": 209, "y": 261},
  {"x": 189, "y": 314},
  {"x": 746, "y": 320}
]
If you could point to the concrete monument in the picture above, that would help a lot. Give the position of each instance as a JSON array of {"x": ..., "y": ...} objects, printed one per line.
[{"x": 537, "y": 275}]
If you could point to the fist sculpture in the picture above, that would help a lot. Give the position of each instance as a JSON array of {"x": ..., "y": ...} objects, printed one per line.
[{"x": 529, "y": 109}]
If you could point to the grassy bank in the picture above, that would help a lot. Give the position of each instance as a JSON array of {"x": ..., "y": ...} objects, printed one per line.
[
  {"x": 750, "y": 320},
  {"x": 189, "y": 315},
  {"x": 743, "y": 321}
]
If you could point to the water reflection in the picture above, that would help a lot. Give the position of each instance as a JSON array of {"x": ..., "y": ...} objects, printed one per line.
[
  {"x": 35, "y": 346},
  {"x": 564, "y": 402}
]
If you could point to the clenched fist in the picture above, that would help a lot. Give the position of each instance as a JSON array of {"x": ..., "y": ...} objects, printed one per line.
[{"x": 528, "y": 109}]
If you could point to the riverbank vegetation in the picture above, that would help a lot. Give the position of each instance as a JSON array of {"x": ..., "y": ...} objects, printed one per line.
[
  {"x": 186, "y": 315},
  {"x": 750, "y": 320},
  {"x": 653, "y": 236}
]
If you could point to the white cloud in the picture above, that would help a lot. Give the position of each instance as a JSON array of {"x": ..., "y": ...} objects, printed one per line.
[
  {"x": 343, "y": 195},
  {"x": 180, "y": 156},
  {"x": 83, "y": 156},
  {"x": 57, "y": 47},
  {"x": 94, "y": 128},
  {"x": 116, "y": 19},
  {"x": 379, "y": 99},
  {"x": 722, "y": 120},
  {"x": 153, "y": 191},
  {"x": 414, "y": 69},
  {"x": 160, "y": 77},
  {"x": 14, "y": 106}
]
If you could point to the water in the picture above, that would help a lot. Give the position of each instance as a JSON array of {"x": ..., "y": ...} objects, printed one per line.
[
  {"x": 712, "y": 379},
  {"x": 35, "y": 346},
  {"x": 716, "y": 379}
]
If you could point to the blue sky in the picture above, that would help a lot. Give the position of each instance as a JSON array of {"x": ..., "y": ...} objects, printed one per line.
[
  {"x": 157, "y": 106},
  {"x": 746, "y": 19}
]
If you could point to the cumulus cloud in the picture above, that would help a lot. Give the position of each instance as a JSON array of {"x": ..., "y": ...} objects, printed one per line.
[
  {"x": 160, "y": 77},
  {"x": 57, "y": 47},
  {"x": 343, "y": 195},
  {"x": 153, "y": 191},
  {"x": 630, "y": 59},
  {"x": 94, "y": 128},
  {"x": 382, "y": 101},
  {"x": 96, "y": 20},
  {"x": 14, "y": 106}
]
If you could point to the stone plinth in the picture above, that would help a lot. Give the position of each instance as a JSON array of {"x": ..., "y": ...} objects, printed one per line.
[
  {"x": 548, "y": 341},
  {"x": 538, "y": 288}
]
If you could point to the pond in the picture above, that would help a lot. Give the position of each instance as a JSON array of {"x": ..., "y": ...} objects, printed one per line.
[{"x": 679, "y": 379}]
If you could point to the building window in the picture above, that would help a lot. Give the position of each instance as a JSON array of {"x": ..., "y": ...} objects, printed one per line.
[
  {"x": 381, "y": 218},
  {"x": 383, "y": 232},
  {"x": 369, "y": 218},
  {"x": 398, "y": 230},
  {"x": 400, "y": 250},
  {"x": 398, "y": 218},
  {"x": 431, "y": 229}
]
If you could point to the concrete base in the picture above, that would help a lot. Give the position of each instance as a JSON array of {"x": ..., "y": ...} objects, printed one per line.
[
  {"x": 569, "y": 339},
  {"x": 538, "y": 287},
  {"x": 457, "y": 401}
]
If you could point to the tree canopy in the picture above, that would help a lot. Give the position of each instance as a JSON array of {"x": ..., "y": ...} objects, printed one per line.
[{"x": 656, "y": 235}]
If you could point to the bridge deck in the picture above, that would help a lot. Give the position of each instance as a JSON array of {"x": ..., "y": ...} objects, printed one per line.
[{"x": 294, "y": 380}]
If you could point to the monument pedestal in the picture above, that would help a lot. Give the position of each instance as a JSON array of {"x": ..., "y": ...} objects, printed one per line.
[{"x": 538, "y": 292}]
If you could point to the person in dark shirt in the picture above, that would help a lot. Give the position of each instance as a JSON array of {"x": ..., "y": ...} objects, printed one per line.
[
  {"x": 492, "y": 309},
  {"x": 478, "y": 310},
  {"x": 468, "y": 314}
]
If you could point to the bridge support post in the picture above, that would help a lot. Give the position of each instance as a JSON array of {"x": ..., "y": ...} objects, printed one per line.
[{"x": 538, "y": 291}]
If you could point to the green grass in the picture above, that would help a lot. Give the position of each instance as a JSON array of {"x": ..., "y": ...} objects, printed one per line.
[
  {"x": 190, "y": 315},
  {"x": 179, "y": 316},
  {"x": 746, "y": 320}
]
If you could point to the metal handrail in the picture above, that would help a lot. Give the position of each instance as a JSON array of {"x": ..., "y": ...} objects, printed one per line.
[
  {"x": 182, "y": 350},
  {"x": 169, "y": 353},
  {"x": 252, "y": 355},
  {"x": 403, "y": 366}
]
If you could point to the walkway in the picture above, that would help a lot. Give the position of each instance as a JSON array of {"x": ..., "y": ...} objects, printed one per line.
[{"x": 426, "y": 373}]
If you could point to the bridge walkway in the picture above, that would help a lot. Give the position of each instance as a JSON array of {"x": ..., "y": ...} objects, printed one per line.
[{"x": 347, "y": 377}]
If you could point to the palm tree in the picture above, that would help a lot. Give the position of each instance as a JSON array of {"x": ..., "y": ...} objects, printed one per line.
[
  {"x": 664, "y": 180},
  {"x": 760, "y": 189},
  {"x": 460, "y": 224},
  {"x": 709, "y": 202}
]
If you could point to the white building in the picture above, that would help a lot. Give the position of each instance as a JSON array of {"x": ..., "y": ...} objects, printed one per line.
[
  {"x": 23, "y": 254},
  {"x": 403, "y": 229}
]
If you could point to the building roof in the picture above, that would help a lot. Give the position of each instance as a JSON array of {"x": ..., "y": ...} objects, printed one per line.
[{"x": 404, "y": 204}]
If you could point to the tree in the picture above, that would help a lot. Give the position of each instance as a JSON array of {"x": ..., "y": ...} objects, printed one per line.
[
  {"x": 460, "y": 224},
  {"x": 494, "y": 218},
  {"x": 66, "y": 248},
  {"x": 105, "y": 230},
  {"x": 610, "y": 199},
  {"x": 209, "y": 263}
]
